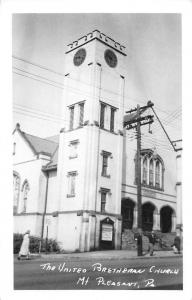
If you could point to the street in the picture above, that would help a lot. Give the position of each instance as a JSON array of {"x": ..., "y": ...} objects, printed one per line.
[{"x": 68, "y": 274}]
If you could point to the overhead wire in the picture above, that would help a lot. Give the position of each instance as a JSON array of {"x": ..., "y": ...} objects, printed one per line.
[{"x": 63, "y": 75}]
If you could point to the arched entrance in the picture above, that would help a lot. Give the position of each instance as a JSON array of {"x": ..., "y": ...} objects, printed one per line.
[
  {"x": 166, "y": 213},
  {"x": 127, "y": 209},
  {"x": 147, "y": 216}
]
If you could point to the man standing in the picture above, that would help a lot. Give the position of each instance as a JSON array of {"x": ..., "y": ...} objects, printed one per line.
[{"x": 152, "y": 240}]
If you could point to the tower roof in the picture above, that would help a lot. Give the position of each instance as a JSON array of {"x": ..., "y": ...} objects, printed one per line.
[{"x": 98, "y": 35}]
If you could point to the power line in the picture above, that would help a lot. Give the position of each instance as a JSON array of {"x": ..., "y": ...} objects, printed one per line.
[
  {"x": 46, "y": 117},
  {"x": 63, "y": 75},
  {"x": 37, "y": 65},
  {"x": 38, "y": 80},
  {"x": 39, "y": 76}
]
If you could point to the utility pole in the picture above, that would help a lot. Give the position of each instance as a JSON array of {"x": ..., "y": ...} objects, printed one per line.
[
  {"x": 139, "y": 207},
  {"x": 134, "y": 120}
]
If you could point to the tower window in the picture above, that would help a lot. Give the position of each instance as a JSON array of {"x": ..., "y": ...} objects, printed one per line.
[
  {"x": 104, "y": 193},
  {"x": 71, "y": 118},
  {"x": 103, "y": 200},
  {"x": 112, "y": 119},
  {"x": 71, "y": 183},
  {"x": 102, "y": 115},
  {"x": 106, "y": 156},
  {"x": 81, "y": 114},
  {"x": 73, "y": 148}
]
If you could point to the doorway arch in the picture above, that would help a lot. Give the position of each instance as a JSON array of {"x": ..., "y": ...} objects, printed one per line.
[
  {"x": 166, "y": 214},
  {"x": 127, "y": 212},
  {"x": 147, "y": 216}
]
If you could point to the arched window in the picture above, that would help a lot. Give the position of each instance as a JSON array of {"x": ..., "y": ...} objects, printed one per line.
[
  {"x": 25, "y": 190},
  {"x": 152, "y": 169},
  {"x": 151, "y": 172},
  {"x": 16, "y": 189},
  {"x": 157, "y": 174},
  {"x": 145, "y": 171}
]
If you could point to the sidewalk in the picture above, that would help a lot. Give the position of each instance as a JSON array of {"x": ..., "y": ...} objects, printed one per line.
[{"x": 109, "y": 255}]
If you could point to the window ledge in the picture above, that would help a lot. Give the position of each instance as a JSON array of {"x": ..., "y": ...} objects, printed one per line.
[
  {"x": 70, "y": 195},
  {"x": 106, "y": 176},
  {"x": 73, "y": 156},
  {"x": 152, "y": 187},
  {"x": 108, "y": 130}
]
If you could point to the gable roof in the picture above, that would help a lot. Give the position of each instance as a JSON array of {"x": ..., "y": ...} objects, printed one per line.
[
  {"x": 41, "y": 145},
  {"x": 37, "y": 144}
]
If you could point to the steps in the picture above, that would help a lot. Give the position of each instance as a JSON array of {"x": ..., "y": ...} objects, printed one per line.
[{"x": 164, "y": 243}]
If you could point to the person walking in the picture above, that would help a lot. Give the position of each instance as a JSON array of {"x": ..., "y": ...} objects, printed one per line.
[
  {"x": 177, "y": 245},
  {"x": 24, "y": 250},
  {"x": 152, "y": 240}
]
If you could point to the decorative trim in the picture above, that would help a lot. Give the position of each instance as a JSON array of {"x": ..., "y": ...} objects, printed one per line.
[
  {"x": 133, "y": 186},
  {"x": 107, "y": 130},
  {"x": 96, "y": 123},
  {"x": 106, "y": 176},
  {"x": 150, "y": 197},
  {"x": 106, "y": 153},
  {"x": 27, "y": 214},
  {"x": 79, "y": 213},
  {"x": 120, "y": 132},
  {"x": 70, "y": 196},
  {"x": 86, "y": 123},
  {"x": 85, "y": 220},
  {"x": 99, "y": 41},
  {"x": 105, "y": 190},
  {"x": 55, "y": 214},
  {"x": 107, "y": 104}
]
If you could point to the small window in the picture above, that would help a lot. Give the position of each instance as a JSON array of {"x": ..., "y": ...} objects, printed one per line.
[
  {"x": 102, "y": 115},
  {"x": 112, "y": 122},
  {"x": 81, "y": 114},
  {"x": 16, "y": 189},
  {"x": 25, "y": 197},
  {"x": 71, "y": 120},
  {"x": 14, "y": 148},
  {"x": 103, "y": 200},
  {"x": 104, "y": 192},
  {"x": 73, "y": 149},
  {"x": 71, "y": 183},
  {"x": 106, "y": 156}
]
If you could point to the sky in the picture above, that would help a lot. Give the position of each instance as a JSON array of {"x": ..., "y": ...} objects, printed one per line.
[{"x": 153, "y": 64}]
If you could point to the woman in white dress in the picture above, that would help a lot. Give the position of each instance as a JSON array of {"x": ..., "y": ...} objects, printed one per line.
[{"x": 24, "y": 250}]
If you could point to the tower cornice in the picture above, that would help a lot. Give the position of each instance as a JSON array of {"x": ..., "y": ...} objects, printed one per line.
[{"x": 96, "y": 35}]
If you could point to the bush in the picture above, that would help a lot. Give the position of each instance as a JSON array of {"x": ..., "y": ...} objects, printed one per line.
[{"x": 52, "y": 245}]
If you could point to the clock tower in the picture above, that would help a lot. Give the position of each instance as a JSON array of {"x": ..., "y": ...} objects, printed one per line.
[{"x": 89, "y": 171}]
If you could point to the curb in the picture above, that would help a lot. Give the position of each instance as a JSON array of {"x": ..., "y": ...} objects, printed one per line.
[{"x": 44, "y": 256}]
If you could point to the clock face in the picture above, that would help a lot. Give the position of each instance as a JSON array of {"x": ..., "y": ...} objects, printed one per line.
[
  {"x": 110, "y": 58},
  {"x": 79, "y": 57}
]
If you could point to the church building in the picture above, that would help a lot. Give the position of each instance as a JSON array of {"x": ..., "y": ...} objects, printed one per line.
[{"x": 80, "y": 185}]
